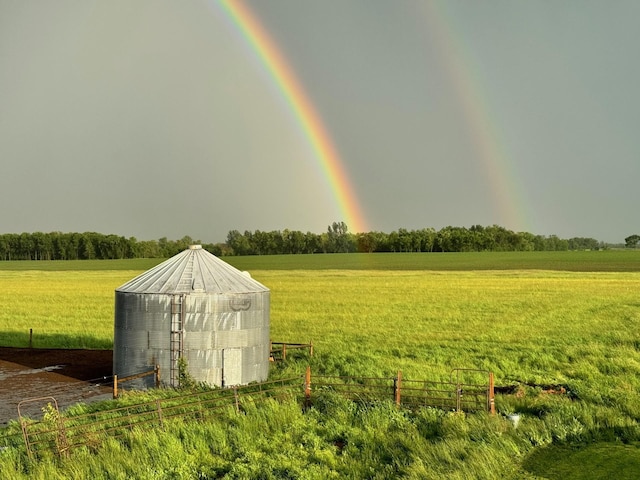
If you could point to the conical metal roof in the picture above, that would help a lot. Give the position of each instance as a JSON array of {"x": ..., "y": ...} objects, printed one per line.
[{"x": 193, "y": 270}]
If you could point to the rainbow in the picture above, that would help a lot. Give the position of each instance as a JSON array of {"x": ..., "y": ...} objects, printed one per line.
[
  {"x": 307, "y": 117},
  {"x": 492, "y": 153}
]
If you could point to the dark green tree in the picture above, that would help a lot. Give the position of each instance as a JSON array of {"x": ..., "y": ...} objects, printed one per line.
[
  {"x": 238, "y": 243},
  {"x": 632, "y": 241},
  {"x": 338, "y": 238}
]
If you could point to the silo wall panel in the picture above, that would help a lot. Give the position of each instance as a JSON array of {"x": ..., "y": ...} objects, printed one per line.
[
  {"x": 230, "y": 339},
  {"x": 141, "y": 334},
  {"x": 199, "y": 341},
  {"x": 254, "y": 368},
  {"x": 248, "y": 331},
  {"x": 205, "y": 366},
  {"x": 233, "y": 326},
  {"x": 203, "y": 360}
]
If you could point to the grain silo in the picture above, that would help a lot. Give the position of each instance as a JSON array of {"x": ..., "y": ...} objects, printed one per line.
[{"x": 197, "y": 307}]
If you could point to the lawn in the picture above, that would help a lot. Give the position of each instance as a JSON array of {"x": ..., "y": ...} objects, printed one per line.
[{"x": 560, "y": 331}]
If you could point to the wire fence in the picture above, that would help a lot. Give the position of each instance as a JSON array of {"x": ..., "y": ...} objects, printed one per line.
[
  {"x": 59, "y": 433},
  {"x": 278, "y": 350},
  {"x": 53, "y": 431},
  {"x": 474, "y": 394}
]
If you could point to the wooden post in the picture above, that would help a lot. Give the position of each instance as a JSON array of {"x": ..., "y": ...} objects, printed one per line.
[
  {"x": 31, "y": 338},
  {"x": 235, "y": 397},
  {"x": 307, "y": 385},
  {"x": 159, "y": 412},
  {"x": 311, "y": 349},
  {"x": 157, "y": 376},
  {"x": 284, "y": 351},
  {"x": 115, "y": 386},
  {"x": 397, "y": 386},
  {"x": 61, "y": 439},
  {"x": 492, "y": 396}
]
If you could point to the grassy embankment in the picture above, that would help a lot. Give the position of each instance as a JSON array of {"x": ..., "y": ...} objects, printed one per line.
[{"x": 564, "y": 320}]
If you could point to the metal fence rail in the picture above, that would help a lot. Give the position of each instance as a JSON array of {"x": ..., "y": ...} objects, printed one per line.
[
  {"x": 429, "y": 394},
  {"x": 356, "y": 388},
  {"x": 445, "y": 395},
  {"x": 452, "y": 395},
  {"x": 60, "y": 434},
  {"x": 278, "y": 350}
]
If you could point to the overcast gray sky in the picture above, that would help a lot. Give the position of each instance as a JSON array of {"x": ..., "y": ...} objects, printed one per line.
[{"x": 155, "y": 118}]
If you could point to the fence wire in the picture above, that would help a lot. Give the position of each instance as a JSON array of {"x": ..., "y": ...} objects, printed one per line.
[{"x": 60, "y": 434}]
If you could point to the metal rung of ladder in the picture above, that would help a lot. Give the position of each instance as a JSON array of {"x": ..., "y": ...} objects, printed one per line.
[{"x": 177, "y": 315}]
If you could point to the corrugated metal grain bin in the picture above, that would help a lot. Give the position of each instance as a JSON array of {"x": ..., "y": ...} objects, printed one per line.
[{"x": 197, "y": 307}]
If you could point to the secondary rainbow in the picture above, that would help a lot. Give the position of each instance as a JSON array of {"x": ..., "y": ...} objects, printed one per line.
[
  {"x": 303, "y": 110},
  {"x": 481, "y": 121}
]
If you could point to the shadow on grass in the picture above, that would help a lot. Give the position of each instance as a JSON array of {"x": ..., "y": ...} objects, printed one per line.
[
  {"x": 592, "y": 461},
  {"x": 40, "y": 339}
]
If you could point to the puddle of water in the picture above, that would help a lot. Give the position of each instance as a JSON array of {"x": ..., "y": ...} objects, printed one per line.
[
  {"x": 18, "y": 383},
  {"x": 7, "y": 372}
]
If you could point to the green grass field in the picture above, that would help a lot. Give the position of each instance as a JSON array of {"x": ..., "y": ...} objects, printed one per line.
[
  {"x": 562, "y": 321},
  {"x": 580, "y": 261}
]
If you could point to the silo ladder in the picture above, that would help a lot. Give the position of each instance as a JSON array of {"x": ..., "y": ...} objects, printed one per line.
[{"x": 177, "y": 316}]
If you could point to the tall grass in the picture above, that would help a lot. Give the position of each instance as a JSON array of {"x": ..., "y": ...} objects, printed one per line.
[
  {"x": 564, "y": 346},
  {"x": 335, "y": 439}
]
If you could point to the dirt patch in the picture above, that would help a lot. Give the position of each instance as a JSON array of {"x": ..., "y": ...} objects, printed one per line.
[
  {"x": 69, "y": 376},
  {"x": 519, "y": 390}
]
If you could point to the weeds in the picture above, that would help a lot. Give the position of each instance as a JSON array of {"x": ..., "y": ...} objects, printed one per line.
[{"x": 563, "y": 345}]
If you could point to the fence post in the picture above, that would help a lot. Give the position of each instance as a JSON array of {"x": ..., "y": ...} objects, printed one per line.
[
  {"x": 284, "y": 351},
  {"x": 115, "y": 387},
  {"x": 307, "y": 386},
  {"x": 311, "y": 349},
  {"x": 492, "y": 397},
  {"x": 25, "y": 435},
  {"x": 235, "y": 397},
  {"x": 157, "y": 376},
  {"x": 159, "y": 412},
  {"x": 61, "y": 436},
  {"x": 30, "y": 338},
  {"x": 397, "y": 386}
]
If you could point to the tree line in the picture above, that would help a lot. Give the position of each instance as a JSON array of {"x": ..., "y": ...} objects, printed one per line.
[
  {"x": 337, "y": 239},
  {"x": 89, "y": 246}
]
